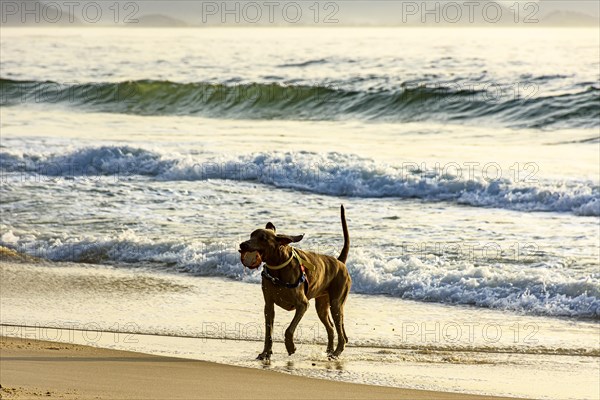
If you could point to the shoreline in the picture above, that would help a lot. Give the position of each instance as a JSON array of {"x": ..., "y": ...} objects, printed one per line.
[
  {"x": 32, "y": 368},
  {"x": 60, "y": 303}
]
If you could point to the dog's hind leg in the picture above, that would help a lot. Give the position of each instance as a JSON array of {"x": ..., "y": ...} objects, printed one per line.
[
  {"x": 269, "y": 320},
  {"x": 322, "y": 304},
  {"x": 337, "y": 311},
  {"x": 301, "y": 308}
]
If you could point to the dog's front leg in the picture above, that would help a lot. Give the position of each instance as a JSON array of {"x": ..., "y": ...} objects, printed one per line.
[
  {"x": 269, "y": 320},
  {"x": 289, "y": 332}
]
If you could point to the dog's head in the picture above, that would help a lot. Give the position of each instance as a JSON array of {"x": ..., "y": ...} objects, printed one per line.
[{"x": 267, "y": 242}]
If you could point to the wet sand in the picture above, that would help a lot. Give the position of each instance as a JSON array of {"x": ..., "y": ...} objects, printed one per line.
[{"x": 34, "y": 369}]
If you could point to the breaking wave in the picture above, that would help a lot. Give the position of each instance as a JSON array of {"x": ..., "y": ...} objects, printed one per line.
[
  {"x": 332, "y": 174},
  {"x": 318, "y": 102}
]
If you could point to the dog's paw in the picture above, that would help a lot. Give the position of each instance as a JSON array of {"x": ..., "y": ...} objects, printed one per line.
[
  {"x": 264, "y": 356},
  {"x": 290, "y": 347},
  {"x": 335, "y": 355}
]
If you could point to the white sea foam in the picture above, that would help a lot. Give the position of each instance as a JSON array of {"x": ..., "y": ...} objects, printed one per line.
[
  {"x": 506, "y": 286},
  {"x": 329, "y": 174}
]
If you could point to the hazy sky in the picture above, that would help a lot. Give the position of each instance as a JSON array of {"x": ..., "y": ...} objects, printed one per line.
[
  {"x": 374, "y": 11},
  {"x": 311, "y": 12}
]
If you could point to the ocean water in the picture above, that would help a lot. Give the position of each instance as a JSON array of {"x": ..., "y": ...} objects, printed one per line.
[
  {"x": 134, "y": 161},
  {"x": 468, "y": 160}
]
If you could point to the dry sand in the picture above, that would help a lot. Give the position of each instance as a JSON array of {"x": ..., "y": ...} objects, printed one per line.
[{"x": 38, "y": 369}]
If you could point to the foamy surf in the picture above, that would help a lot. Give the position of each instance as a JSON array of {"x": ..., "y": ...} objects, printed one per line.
[
  {"x": 332, "y": 174},
  {"x": 499, "y": 284}
]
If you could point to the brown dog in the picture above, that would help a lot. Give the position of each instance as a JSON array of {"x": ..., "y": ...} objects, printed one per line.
[{"x": 291, "y": 277}]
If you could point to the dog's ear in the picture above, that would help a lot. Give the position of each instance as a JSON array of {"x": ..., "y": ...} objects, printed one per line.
[
  {"x": 287, "y": 239},
  {"x": 271, "y": 227}
]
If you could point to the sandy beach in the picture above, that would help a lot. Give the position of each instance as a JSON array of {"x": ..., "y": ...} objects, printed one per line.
[{"x": 33, "y": 369}]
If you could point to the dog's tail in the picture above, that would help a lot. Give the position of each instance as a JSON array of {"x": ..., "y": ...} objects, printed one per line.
[{"x": 344, "y": 254}]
